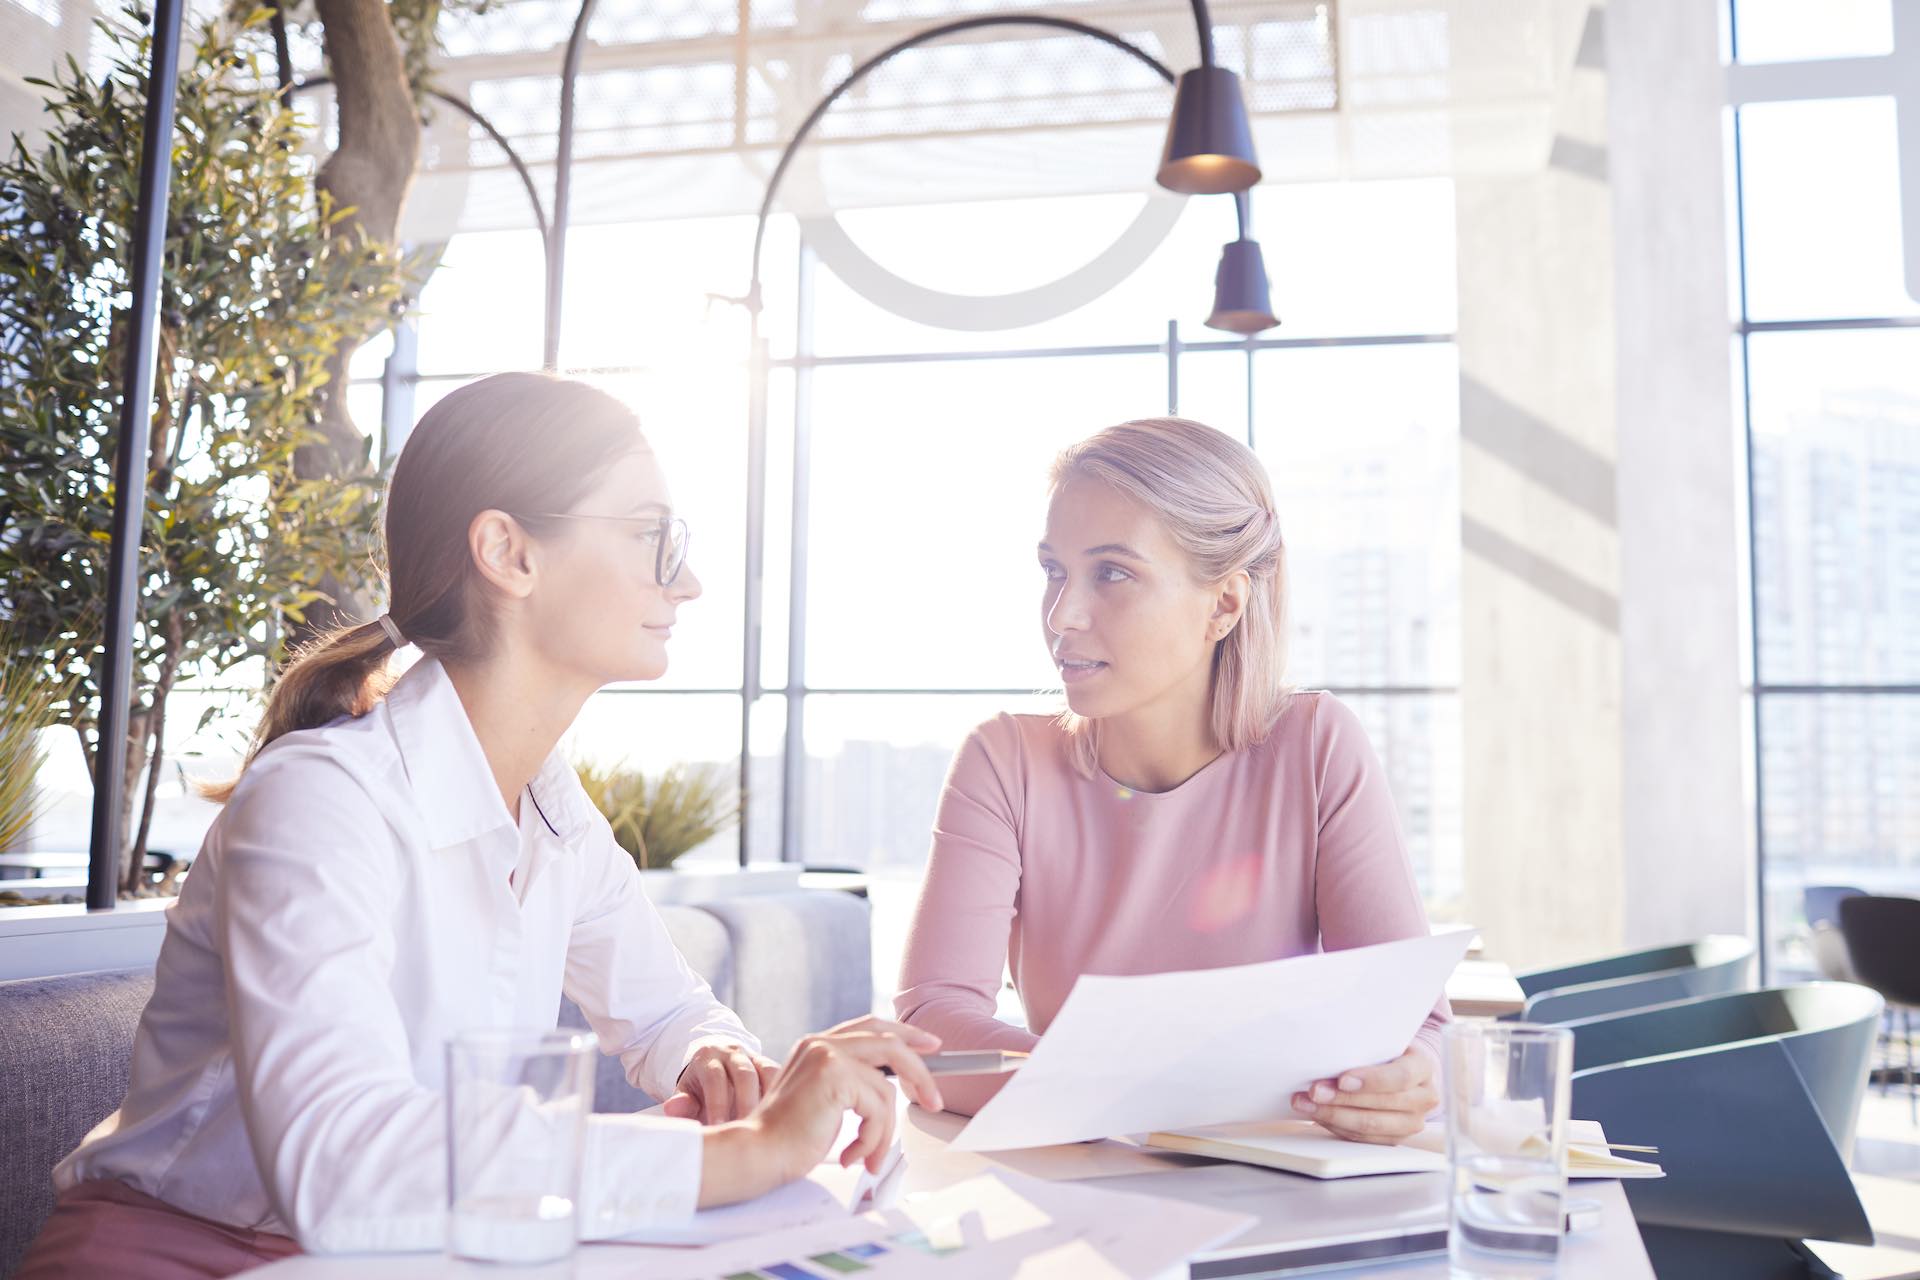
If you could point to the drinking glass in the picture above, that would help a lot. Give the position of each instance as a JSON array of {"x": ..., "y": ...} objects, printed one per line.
[
  {"x": 1507, "y": 1094},
  {"x": 517, "y": 1108}
]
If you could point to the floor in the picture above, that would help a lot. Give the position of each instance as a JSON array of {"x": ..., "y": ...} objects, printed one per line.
[{"x": 1886, "y": 1164}]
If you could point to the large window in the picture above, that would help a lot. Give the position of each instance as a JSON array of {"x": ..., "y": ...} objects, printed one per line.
[
  {"x": 924, "y": 455},
  {"x": 1829, "y": 354}
]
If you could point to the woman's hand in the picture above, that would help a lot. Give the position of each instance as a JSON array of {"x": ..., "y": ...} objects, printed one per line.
[
  {"x": 1382, "y": 1104},
  {"x": 799, "y": 1117},
  {"x": 721, "y": 1082}
]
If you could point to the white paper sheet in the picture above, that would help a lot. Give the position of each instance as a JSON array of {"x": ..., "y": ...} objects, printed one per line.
[{"x": 1213, "y": 1046}]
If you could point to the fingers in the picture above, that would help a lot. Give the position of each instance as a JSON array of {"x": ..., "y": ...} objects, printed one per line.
[
  {"x": 873, "y": 1101},
  {"x": 884, "y": 1049},
  {"x": 1406, "y": 1083},
  {"x": 1416, "y": 1102},
  {"x": 1358, "y": 1124},
  {"x": 710, "y": 1080},
  {"x": 681, "y": 1106},
  {"x": 768, "y": 1071},
  {"x": 922, "y": 1041},
  {"x": 743, "y": 1079}
]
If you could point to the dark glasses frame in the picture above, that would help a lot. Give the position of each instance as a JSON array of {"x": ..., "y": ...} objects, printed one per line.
[{"x": 670, "y": 538}]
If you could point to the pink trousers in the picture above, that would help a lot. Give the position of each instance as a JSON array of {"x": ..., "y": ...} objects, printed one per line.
[{"x": 105, "y": 1230}]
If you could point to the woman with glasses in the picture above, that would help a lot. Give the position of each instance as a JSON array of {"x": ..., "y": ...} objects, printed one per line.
[
  {"x": 1188, "y": 810},
  {"x": 403, "y": 860}
]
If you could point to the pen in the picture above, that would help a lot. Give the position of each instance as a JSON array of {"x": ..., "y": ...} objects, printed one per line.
[{"x": 971, "y": 1062}]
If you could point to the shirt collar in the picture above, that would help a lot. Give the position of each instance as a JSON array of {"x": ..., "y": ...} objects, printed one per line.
[{"x": 451, "y": 780}]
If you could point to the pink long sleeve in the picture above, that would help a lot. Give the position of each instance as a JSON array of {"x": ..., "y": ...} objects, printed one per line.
[
  {"x": 956, "y": 953},
  {"x": 1364, "y": 890},
  {"x": 1284, "y": 848}
]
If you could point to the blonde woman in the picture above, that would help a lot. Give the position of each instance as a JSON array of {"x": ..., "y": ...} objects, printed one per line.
[{"x": 1188, "y": 810}]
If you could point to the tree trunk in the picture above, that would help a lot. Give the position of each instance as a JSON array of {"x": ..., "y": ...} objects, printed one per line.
[
  {"x": 134, "y": 882},
  {"x": 371, "y": 174},
  {"x": 132, "y": 761}
]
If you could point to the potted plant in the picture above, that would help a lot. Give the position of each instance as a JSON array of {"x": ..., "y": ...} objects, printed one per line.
[
  {"x": 28, "y": 706},
  {"x": 257, "y": 295},
  {"x": 657, "y": 818}
]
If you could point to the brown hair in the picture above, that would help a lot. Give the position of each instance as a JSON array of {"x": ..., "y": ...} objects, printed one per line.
[
  {"x": 1215, "y": 499},
  {"x": 523, "y": 443}
]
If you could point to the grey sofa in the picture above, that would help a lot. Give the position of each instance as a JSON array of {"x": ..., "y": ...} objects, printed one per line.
[{"x": 790, "y": 963}]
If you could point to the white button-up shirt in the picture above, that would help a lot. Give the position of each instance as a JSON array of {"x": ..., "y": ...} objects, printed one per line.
[{"x": 363, "y": 897}]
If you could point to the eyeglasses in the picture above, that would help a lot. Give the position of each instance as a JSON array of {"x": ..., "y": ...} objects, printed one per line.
[{"x": 669, "y": 535}]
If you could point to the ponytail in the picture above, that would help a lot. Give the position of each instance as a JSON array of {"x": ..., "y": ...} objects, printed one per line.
[{"x": 342, "y": 673}]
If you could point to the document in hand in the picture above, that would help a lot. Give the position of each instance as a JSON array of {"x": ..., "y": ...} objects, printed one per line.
[{"x": 1213, "y": 1046}]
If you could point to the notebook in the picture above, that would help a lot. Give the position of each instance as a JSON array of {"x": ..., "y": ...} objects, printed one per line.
[{"x": 1301, "y": 1146}]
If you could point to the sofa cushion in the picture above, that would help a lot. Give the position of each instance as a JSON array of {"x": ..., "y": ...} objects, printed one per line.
[
  {"x": 64, "y": 1047},
  {"x": 802, "y": 961}
]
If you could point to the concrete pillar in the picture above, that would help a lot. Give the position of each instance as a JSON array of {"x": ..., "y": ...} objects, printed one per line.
[
  {"x": 1688, "y": 856},
  {"x": 1600, "y": 685}
]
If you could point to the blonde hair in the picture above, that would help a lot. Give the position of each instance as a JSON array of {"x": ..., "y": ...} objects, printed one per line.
[{"x": 1214, "y": 498}]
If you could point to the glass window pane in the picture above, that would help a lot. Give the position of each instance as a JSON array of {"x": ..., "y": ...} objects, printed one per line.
[
  {"x": 695, "y": 419},
  {"x": 1213, "y": 389},
  {"x": 370, "y": 357},
  {"x": 1007, "y": 246},
  {"x": 483, "y": 309},
  {"x": 1793, "y": 30},
  {"x": 1417, "y": 738},
  {"x": 928, "y": 497},
  {"x": 1841, "y": 777},
  {"x": 1836, "y": 420},
  {"x": 875, "y": 766},
  {"x": 1363, "y": 444},
  {"x": 1822, "y": 210},
  {"x": 653, "y": 731},
  {"x": 653, "y": 295},
  {"x": 1343, "y": 258}
]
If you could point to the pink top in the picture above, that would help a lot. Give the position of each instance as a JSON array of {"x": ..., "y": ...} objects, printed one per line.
[{"x": 1283, "y": 849}]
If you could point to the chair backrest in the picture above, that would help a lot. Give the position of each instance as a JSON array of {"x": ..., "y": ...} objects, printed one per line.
[
  {"x": 1883, "y": 941},
  {"x": 1752, "y": 1099},
  {"x": 65, "y": 1044},
  {"x": 1829, "y": 947},
  {"x": 1827, "y": 1028},
  {"x": 1715, "y": 965},
  {"x": 1820, "y": 903}
]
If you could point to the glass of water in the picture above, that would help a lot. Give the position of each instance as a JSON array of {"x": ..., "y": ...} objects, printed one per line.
[
  {"x": 1508, "y": 1088},
  {"x": 517, "y": 1108}
]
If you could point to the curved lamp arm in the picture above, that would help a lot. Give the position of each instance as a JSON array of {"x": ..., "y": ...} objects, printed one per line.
[
  {"x": 468, "y": 110},
  {"x": 859, "y": 73},
  {"x": 1203, "y": 27},
  {"x": 570, "y": 74}
]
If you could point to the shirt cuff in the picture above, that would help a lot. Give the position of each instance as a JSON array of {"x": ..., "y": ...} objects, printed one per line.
[{"x": 638, "y": 1171}]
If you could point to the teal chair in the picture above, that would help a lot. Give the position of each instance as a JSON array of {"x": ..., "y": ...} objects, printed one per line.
[
  {"x": 1752, "y": 1099},
  {"x": 1715, "y": 965}
]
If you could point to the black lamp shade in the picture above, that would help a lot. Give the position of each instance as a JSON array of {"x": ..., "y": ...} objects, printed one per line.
[
  {"x": 1240, "y": 300},
  {"x": 1209, "y": 143}
]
